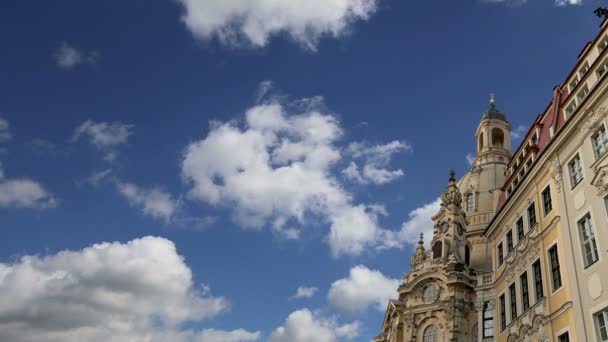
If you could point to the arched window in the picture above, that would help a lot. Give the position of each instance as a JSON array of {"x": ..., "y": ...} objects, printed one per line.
[
  {"x": 470, "y": 201},
  {"x": 467, "y": 255},
  {"x": 437, "y": 250},
  {"x": 430, "y": 293},
  {"x": 430, "y": 334},
  {"x": 498, "y": 138},
  {"x": 481, "y": 141}
]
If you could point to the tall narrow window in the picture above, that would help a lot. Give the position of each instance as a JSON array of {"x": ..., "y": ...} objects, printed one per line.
[
  {"x": 556, "y": 274},
  {"x": 509, "y": 241},
  {"x": 430, "y": 334},
  {"x": 467, "y": 255},
  {"x": 470, "y": 201},
  {"x": 525, "y": 297},
  {"x": 588, "y": 240},
  {"x": 531, "y": 215},
  {"x": 599, "y": 142},
  {"x": 503, "y": 313},
  {"x": 565, "y": 337},
  {"x": 547, "y": 205},
  {"x": 500, "y": 254},
  {"x": 575, "y": 170},
  {"x": 513, "y": 301},
  {"x": 520, "y": 229},
  {"x": 488, "y": 320},
  {"x": 437, "y": 250},
  {"x": 538, "y": 281},
  {"x": 601, "y": 324}
]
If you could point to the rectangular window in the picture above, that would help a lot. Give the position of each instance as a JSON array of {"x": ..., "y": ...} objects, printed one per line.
[
  {"x": 488, "y": 320},
  {"x": 520, "y": 229},
  {"x": 601, "y": 324},
  {"x": 500, "y": 254},
  {"x": 576, "y": 171},
  {"x": 503, "y": 314},
  {"x": 570, "y": 109},
  {"x": 538, "y": 281},
  {"x": 602, "y": 45},
  {"x": 583, "y": 70},
  {"x": 531, "y": 215},
  {"x": 588, "y": 240},
  {"x": 565, "y": 337},
  {"x": 513, "y": 301},
  {"x": 525, "y": 297},
  {"x": 573, "y": 83},
  {"x": 582, "y": 94},
  {"x": 509, "y": 241},
  {"x": 601, "y": 70},
  {"x": 547, "y": 205},
  {"x": 556, "y": 274},
  {"x": 598, "y": 140}
]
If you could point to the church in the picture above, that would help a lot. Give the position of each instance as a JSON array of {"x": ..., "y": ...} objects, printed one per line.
[{"x": 520, "y": 243}]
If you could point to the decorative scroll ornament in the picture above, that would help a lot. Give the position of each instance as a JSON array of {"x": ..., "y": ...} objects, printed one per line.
[
  {"x": 556, "y": 172},
  {"x": 420, "y": 255},
  {"x": 451, "y": 197},
  {"x": 593, "y": 120},
  {"x": 600, "y": 179}
]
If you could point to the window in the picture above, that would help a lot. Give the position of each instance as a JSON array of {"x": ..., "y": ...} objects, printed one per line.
[
  {"x": 570, "y": 109},
  {"x": 576, "y": 171},
  {"x": 430, "y": 334},
  {"x": 488, "y": 320},
  {"x": 601, "y": 321},
  {"x": 573, "y": 83},
  {"x": 538, "y": 281},
  {"x": 565, "y": 337},
  {"x": 430, "y": 293},
  {"x": 467, "y": 255},
  {"x": 513, "y": 300},
  {"x": 582, "y": 94},
  {"x": 547, "y": 206},
  {"x": 500, "y": 254},
  {"x": 556, "y": 274},
  {"x": 531, "y": 215},
  {"x": 588, "y": 240},
  {"x": 602, "y": 44},
  {"x": 503, "y": 314},
  {"x": 520, "y": 229},
  {"x": 583, "y": 69},
  {"x": 600, "y": 145},
  {"x": 601, "y": 70},
  {"x": 437, "y": 250},
  {"x": 525, "y": 297},
  {"x": 509, "y": 241},
  {"x": 470, "y": 205}
]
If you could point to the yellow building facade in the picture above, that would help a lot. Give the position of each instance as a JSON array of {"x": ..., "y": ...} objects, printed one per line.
[{"x": 520, "y": 245}]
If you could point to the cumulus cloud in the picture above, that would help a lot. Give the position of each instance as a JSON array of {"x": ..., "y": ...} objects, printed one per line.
[
  {"x": 254, "y": 22},
  {"x": 375, "y": 159},
  {"x": 153, "y": 202},
  {"x": 137, "y": 291},
  {"x": 5, "y": 133},
  {"x": 105, "y": 136},
  {"x": 305, "y": 292},
  {"x": 276, "y": 168},
  {"x": 67, "y": 56},
  {"x": 304, "y": 326},
  {"x": 419, "y": 221},
  {"x": 24, "y": 193},
  {"x": 568, "y": 2},
  {"x": 361, "y": 289},
  {"x": 470, "y": 157}
]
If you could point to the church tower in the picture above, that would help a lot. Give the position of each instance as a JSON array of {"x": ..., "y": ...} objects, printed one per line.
[{"x": 443, "y": 298}]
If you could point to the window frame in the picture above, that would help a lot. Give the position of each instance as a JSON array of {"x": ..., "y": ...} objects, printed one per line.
[
  {"x": 519, "y": 227},
  {"x": 500, "y": 254},
  {"x": 590, "y": 239},
  {"x": 547, "y": 202},
  {"x": 509, "y": 237},
  {"x": 533, "y": 211},
  {"x": 575, "y": 167},
  {"x": 539, "y": 292},
  {"x": 485, "y": 319},
  {"x": 555, "y": 265},
  {"x": 513, "y": 301},
  {"x": 502, "y": 312},
  {"x": 603, "y": 314},
  {"x": 601, "y": 131},
  {"x": 525, "y": 291}
]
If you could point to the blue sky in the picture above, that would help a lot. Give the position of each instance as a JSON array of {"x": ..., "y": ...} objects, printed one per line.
[{"x": 219, "y": 156}]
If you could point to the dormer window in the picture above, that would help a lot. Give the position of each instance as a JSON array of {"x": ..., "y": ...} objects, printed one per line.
[
  {"x": 573, "y": 83},
  {"x": 570, "y": 109},
  {"x": 602, "y": 44},
  {"x": 582, "y": 94},
  {"x": 601, "y": 70},
  {"x": 583, "y": 70},
  {"x": 534, "y": 138}
]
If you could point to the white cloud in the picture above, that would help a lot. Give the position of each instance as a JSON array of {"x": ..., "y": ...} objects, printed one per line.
[
  {"x": 363, "y": 288},
  {"x": 254, "y": 22},
  {"x": 470, "y": 157},
  {"x": 25, "y": 193},
  {"x": 304, "y": 326},
  {"x": 5, "y": 133},
  {"x": 137, "y": 291},
  {"x": 375, "y": 159},
  {"x": 104, "y": 135},
  {"x": 305, "y": 292},
  {"x": 154, "y": 202},
  {"x": 419, "y": 221},
  {"x": 519, "y": 132},
  {"x": 68, "y": 56},
  {"x": 568, "y": 2},
  {"x": 97, "y": 177},
  {"x": 277, "y": 168}
]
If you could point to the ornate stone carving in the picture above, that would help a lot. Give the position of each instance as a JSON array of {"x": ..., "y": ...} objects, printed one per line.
[
  {"x": 593, "y": 120},
  {"x": 556, "y": 173},
  {"x": 521, "y": 257},
  {"x": 600, "y": 179}
]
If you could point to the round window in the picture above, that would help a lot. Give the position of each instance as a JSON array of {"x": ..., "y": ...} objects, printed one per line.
[{"x": 431, "y": 293}]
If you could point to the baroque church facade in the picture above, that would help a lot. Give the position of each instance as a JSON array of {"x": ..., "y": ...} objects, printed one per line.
[{"x": 520, "y": 244}]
